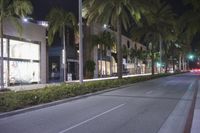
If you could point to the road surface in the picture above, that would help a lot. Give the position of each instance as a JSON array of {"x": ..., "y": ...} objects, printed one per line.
[{"x": 155, "y": 106}]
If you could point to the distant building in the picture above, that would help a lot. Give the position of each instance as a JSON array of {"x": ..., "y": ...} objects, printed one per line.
[
  {"x": 55, "y": 61},
  {"x": 56, "y": 66},
  {"x": 24, "y": 55},
  {"x": 107, "y": 64}
]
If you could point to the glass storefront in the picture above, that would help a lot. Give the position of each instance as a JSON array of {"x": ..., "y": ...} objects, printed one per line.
[
  {"x": 24, "y": 72},
  {"x": 27, "y": 50},
  {"x": 21, "y": 62},
  {"x": 5, "y": 53}
]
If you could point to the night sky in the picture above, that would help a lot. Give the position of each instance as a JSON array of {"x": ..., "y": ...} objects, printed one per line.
[{"x": 42, "y": 7}]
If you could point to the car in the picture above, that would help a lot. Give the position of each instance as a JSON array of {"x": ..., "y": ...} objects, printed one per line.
[{"x": 195, "y": 70}]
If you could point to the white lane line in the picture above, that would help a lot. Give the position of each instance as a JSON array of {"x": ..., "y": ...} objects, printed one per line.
[
  {"x": 88, "y": 120},
  {"x": 149, "y": 92}
]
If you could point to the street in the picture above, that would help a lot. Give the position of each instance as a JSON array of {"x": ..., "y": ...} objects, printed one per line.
[{"x": 155, "y": 106}]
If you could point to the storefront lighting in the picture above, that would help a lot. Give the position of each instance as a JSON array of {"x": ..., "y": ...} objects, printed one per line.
[
  {"x": 43, "y": 23},
  {"x": 25, "y": 20},
  {"x": 105, "y": 26},
  {"x": 158, "y": 64}
]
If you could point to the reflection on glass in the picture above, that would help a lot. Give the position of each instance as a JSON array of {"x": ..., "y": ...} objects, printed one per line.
[
  {"x": 27, "y": 50},
  {"x": 24, "y": 72},
  {"x": 21, "y": 72},
  {"x": 5, "y": 53}
]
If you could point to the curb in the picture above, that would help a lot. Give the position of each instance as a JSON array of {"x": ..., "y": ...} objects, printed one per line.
[
  {"x": 188, "y": 125},
  {"x": 45, "y": 105}
]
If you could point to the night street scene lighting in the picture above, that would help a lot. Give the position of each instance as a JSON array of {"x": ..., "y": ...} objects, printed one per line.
[{"x": 99, "y": 66}]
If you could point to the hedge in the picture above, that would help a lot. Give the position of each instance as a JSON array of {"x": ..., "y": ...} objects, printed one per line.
[{"x": 17, "y": 100}]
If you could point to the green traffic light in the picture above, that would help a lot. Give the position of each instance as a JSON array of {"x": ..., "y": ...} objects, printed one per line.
[{"x": 191, "y": 57}]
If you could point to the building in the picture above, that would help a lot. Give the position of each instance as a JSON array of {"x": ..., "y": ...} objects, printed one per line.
[
  {"x": 56, "y": 59},
  {"x": 24, "y": 55},
  {"x": 107, "y": 64},
  {"x": 56, "y": 66}
]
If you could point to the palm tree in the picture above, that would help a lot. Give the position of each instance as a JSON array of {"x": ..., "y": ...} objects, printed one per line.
[
  {"x": 189, "y": 27},
  {"x": 116, "y": 13},
  {"x": 109, "y": 42},
  {"x": 98, "y": 42},
  {"x": 59, "y": 20},
  {"x": 12, "y": 9},
  {"x": 105, "y": 40},
  {"x": 158, "y": 20},
  {"x": 191, "y": 18}
]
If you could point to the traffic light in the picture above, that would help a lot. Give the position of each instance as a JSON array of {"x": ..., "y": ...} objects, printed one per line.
[{"x": 191, "y": 56}]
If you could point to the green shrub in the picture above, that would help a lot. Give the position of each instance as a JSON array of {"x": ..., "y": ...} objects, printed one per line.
[{"x": 17, "y": 100}]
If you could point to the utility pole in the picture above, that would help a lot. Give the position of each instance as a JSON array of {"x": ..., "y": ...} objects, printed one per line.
[
  {"x": 80, "y": 43},
  {"x": 64, "y": 55}
]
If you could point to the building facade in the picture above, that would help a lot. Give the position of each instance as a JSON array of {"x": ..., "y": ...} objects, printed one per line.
[
  {"x": 24, "y": 54},
  {"x": 56, "y": 66},
  {"x": 106, "y": 64}
]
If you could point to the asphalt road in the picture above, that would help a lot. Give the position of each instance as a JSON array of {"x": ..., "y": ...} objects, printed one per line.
[{"x": 159, "y": 105}]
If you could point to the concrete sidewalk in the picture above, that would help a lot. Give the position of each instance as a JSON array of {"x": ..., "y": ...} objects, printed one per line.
[
  {"x": 40, "y": 86},
  {"x": 196, "y": 117}
]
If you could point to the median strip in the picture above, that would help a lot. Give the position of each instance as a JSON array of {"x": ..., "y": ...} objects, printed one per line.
[{"x": 10, "y": 101}]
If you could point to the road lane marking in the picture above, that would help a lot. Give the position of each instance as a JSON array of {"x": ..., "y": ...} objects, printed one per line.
[
  {"x": 149, "y": 92},
  {"x": 88, "y": 120},
  {"x": 179, "y": 113}
]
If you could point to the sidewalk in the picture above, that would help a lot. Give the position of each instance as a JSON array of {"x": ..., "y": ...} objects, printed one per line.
[
  {"x": 40, "y": 86},
  {"x": 196, "y": 118}
]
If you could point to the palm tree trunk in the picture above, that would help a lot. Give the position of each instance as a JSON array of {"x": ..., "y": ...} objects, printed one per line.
[
  {"x": 183, "y": 61},
  {"x": 173, "y": 63},
  {"x": 160, "y": 42},
  {"x": 166, "y": 65},
  {"x": 135, "y": 65},
  {"x": 1, "y": 62},
  {"x": 111, "y": 64},
  {"x": 180, "y": 64},
  {"x": 101, "y": 63},
  {"x": 119, "y": 48},
  {"x": 166, "y": 58},
  {"x": 106, "y": 62},
  {"x": 152, "y": 63},
  {"x": 64, "y": 54}
]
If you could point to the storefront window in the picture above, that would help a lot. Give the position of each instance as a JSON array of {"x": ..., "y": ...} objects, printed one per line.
[
  {"x": 105, "y": 65},
  {"x": 23, "y": 64},
  {"x": 5, "y": 53},
  {"x": 24, "y": 72},
  {"x": 24, "y": 50}
]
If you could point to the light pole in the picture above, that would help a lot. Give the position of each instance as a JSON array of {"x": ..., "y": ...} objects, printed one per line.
[
  {"x": 80, "y": 43},
  {"x": 64, "y": 56}
]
